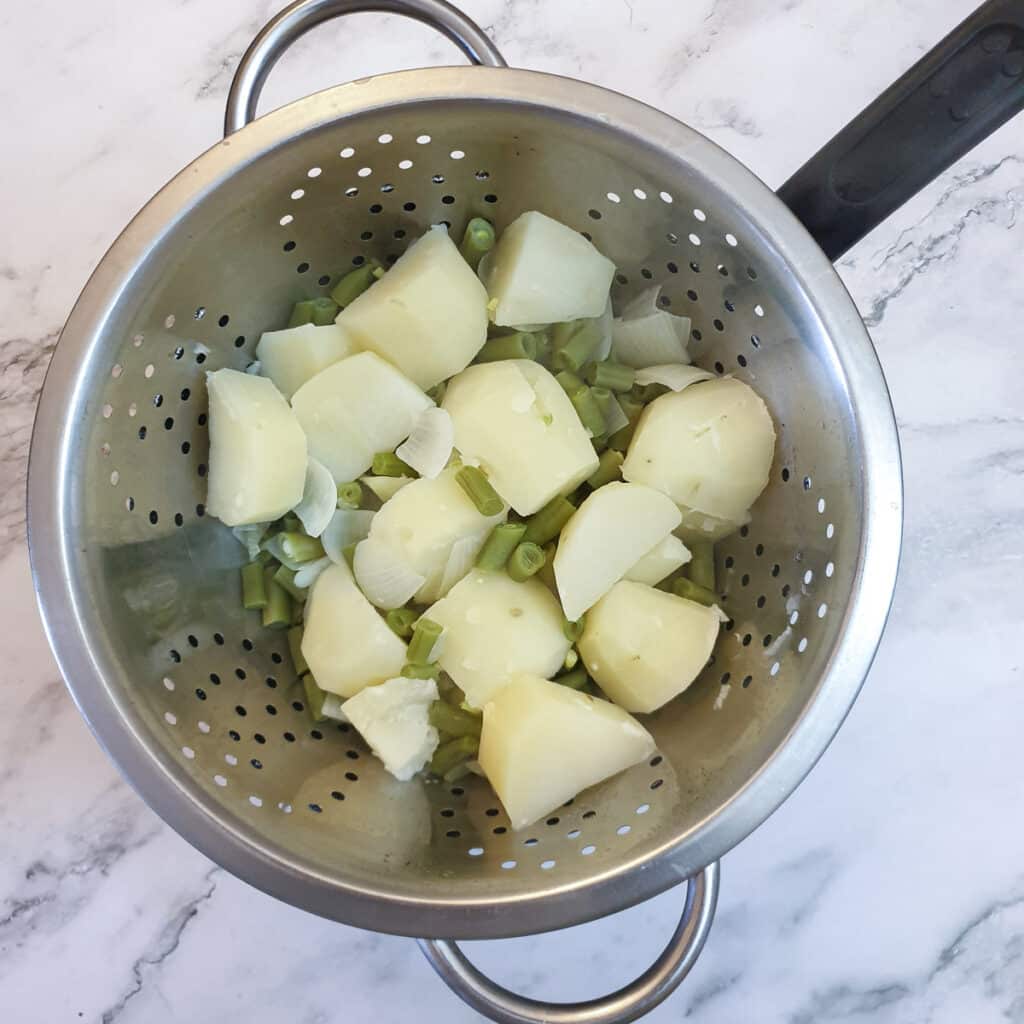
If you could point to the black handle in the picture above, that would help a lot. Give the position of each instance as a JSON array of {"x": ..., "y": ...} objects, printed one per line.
[{"x": 950, "y": 100}]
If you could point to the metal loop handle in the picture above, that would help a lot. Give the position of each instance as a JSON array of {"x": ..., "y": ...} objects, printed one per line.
[
  {"x": 297, "y": 19},
  {"x": 628, "y": 1003}
]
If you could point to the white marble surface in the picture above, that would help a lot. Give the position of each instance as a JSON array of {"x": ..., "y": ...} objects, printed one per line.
[{"x": 890, "y": 888}]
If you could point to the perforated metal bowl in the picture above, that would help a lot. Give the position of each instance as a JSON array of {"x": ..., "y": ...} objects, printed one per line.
[{"x": 139, "y": 588}]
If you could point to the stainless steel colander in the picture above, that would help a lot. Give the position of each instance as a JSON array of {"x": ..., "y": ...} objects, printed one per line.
[{"x": 139, "y": 588}]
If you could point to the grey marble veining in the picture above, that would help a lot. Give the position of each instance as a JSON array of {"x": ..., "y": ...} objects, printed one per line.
[{"x": 889, "y": 888}]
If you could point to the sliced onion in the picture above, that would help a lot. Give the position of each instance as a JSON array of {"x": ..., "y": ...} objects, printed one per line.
[
  {"x": 249, "y": 537},
  {"x": 429, "y": 446},
  {"x": 483, "y": 268},
  {"x": 604, "y": 322},
  {"x": 332, "y": 708},
  {"x": 383, "y": 577},
  {"x": 347, "y": 526},
  {"x": 460, "y": 560},
  {"x": 651, "y": 339},
  {"x": 673, "y": 375},
  {"x": 319, "y": 498},
  {"x": 306, "y": 576},
  {"x": 616, "y": 420},
  {"x": 385, "y": 487}
]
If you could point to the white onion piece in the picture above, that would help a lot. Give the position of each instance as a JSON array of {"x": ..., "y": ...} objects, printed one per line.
[
  {"x": 306, "y": 576},
  {"x": 673, "y": 375},
  {"x": 319, "y": 498},
  {"x": 650, "y": 340},
  {"x": 332, "y": 707},
  {"x": 429, "y": 446},
  {"x": 255, "y": 368},
  {"x": 249, "y": 537},
  {"x": 460, "y": 560},
  {"x": 643, "y": 304},
  {"x": 604, "y": 322},
  {"x": 483, "y": 268},
  {"x": 385, "y": 487},
  {"x": 346, "y": 527},
  {"x": 384, "y": 578},
  {"x": 617, "y": 419}
]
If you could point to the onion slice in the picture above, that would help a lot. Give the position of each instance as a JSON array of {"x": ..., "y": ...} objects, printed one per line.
[
  {"x": 306, "y": 576},
  {"x": 673, "y": 375},
  {"x": 645, "y": 334},
  {"x": 429, "y": 446},
  {"x": 346, "y": 527},
  {"x": 383, "y": 577},
  {"x": 460, "y": 560},
  {"x": 319, "y": 498}
]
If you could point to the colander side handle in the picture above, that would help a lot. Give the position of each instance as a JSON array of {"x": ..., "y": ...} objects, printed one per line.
[
  {"x": 298, "y": 18},
  {"x": 629, "y": 1003},
  {"x": 955, "y": 96}
]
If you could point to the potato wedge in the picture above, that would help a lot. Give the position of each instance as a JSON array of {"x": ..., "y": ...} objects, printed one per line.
[
  {"x": 661, "y": 561},
  {"x": 292, "y": 356}
]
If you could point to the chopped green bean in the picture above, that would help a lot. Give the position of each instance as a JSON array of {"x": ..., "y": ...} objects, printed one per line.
[
  {"x": 683, "y": 587},
  {"x": 354, "y": 283},
  {"x": 543, "y": 347},
  {"x": 298, "y": 613},
  {"x": 525, "y": 561},
  {"x": 569, "y": 381},
  {"x": 647, "y": 393},
  {"x": 613, "y": 376},
  {"x": 350, "y": 494},
  {"x": 453, "y": 721},
  {"x": 478, "y": 240},
  {"x": 450, "y": 693},
  {"x": 320, "y": 312},
  {"x": 460, "y": 771},
  {"x": 511, "y": 346},
  {"x": 348, "y": 552},
  {"x": 300, "y": 547},
  {"x": 254, "y": 594},
  {"x": 291, "y": 523},
  {"x": 315, "y": 697},
  {"x": 425, "y": 635},
  {"x": 454, "y": 752},
  {"x": 587, "y": 409},
  {"x": 573, "y": 630},
  {"x": 547, "y": 570},
  {"x": 278, "y": 611},
  {"x": 389, "y": 464},
  {"x": 575, "y": 680},
  {"x": 561, "y": 333},
  {"x": 547, "y": 523},
  {"x": 295, "y": 648},
  {"x": 437, "y": 392},
  {"x": 476, "y": 485},
  {"x": 400, "y": 621},
  {"x": 571, "y": 658},
  {"x": 606, "y": 403},
  {"x": 428, "y": 671},
  {"x": 702, "y": 565},
  {"x": 621, "y": 438},
  {"x": 286, "y": 578},
  {"x": 608, "y": 468},
  {"x": 499, "y": 545},
  {"x": 580, "y": 348}
]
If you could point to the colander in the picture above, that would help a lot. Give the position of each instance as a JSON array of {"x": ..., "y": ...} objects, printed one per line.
[{"x": 198, "y": 705}]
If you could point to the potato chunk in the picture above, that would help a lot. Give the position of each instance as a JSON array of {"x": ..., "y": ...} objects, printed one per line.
[
  {"x": 354, "y": 409},
  {"x": 709, "y": 447},
  {"x": 613, "y": 528},
  {"x": 427, "y": 315},
  {"x": 257, "y": 450},
  {"x": 495, "y": 629},
  {"x": 644, "y": 647},
  {"x": 346, "y": 644},
  {"x": 514, "y": 418},
  {"x": 290, "y": 357},
  {"x": 661, "y": 561},
  {"x": 542, "y": 272},
  {"x": 542, "y": 743}
]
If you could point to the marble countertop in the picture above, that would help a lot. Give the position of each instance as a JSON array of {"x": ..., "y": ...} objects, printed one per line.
[{"x": 890, "y": 887}]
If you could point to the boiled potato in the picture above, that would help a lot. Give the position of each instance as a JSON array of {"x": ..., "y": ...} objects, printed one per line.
[
  {"x": 542, "y": 743},
  {"x": 614, "y": 527},
  {"x": 496, "y": 628},
  {"x": 542, "y": 272},
  {"x": 701, "y": 526},
  {"x": 392, "y": 718},
  {"x": 661, "y": 561},
  {"x": 427, "y": 315},
  {"x": 709, "y": 447},
  {"x": 515, "y": 419},
  {"x": 290, "y": 357},
  {"x": 257, "y": 450},
  {"x": 346, "y": 644},
  {"x": 644, "y": 647},
  {"x": 422, "y": 523},
  {"x": 352, "y": 410}
]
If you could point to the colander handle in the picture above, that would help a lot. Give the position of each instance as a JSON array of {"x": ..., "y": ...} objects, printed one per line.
[
  {"x": 298, "y": 18},
  {"x": 628, "y": 1003},
  {"x": 956, "y": 95}
]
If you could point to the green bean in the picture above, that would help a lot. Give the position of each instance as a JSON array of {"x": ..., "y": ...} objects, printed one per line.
[
  {"x": 350, "y": 495},
  {"x": 453, "y": 721},
  {"x": 683, "y": 587},
  {"x": 278, "y": 611},
  {"x": 450, "y": 693},
  {"x": 454, "y": 752},
  {"x": 295, "y": 648},
  {"x": 606, "y": 403},
  {"x": 437, "y": 392},
  {"x": 476, "y": 485},
  {"x": 254, "y": 594},
  {"x": 429, "y": 671},
  {"x": 587, "y": 409},
  {"x": 286, "y": 578},
  {"x": 571, "y": 659},
  {"x": 561, "y": 333},
  {"x": 299, "y": 547},
  {"x": 525, "y": 561},
  {"x": 613, "y": 376},
  {"x": 291, "y": 523},
  {"x": 547, "y": 570},
  {"x": 569, "y": 381},
  {"x": 389, "y": 464},
  {"x": 315, "y": 697},
  {"x": 575, "y": 680},
  {"x": 460, "y": 771},
  {"x": 510, "y": 346},
  {"x": 320, "y": 311},
  {"x": 354, "y": 283},
  {"x": 298, "y": 614},
  {"x": 702, "y": 565},
  {"x": 619, "y": 441},
  {"x": 573, "y": 630},
  {"x": 543, "y": 347},
  {"x": 580, "y": 348},
  {"x": 400, "y": 621},
  {"x": 499, "y": 545},
  {"x": 425, "y": 635},
  {"x": 547, "y": 523},
  {"x": 478, "y": 240},
  {"x": 647, "y": 393},
  {"x": 608, "y": 467}
]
